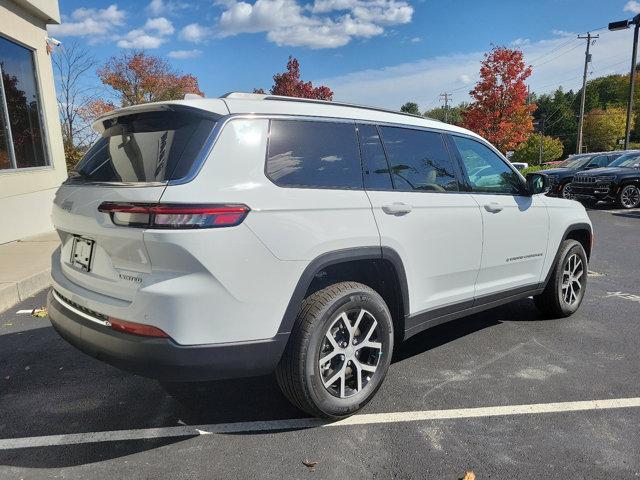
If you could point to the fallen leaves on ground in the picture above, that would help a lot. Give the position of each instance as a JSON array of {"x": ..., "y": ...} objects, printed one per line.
[{"x": 469, "y": 475}]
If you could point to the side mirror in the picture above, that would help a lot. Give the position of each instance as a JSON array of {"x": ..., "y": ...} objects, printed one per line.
[{"x": 537, "y": 183}]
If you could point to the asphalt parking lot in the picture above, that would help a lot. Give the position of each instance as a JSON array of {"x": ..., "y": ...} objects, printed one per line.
[{"x": 63, "y": 414}]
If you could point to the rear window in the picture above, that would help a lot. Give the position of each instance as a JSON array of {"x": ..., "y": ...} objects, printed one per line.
[
  {"x": 145, "y": 147},
  {"x": 313, "y": 154}
]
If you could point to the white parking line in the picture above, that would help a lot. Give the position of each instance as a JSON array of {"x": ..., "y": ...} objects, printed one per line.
[{"x": 275, "y": 425}]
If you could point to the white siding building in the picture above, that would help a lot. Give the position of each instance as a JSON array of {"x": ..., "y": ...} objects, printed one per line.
[{"x": 32, "y": 163}]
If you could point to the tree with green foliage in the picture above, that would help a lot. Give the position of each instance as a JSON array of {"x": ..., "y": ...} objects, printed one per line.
[
  {"x": 410, "y": 107},
  {"x": 452, "y": 116},
  {"x": 603, "y": 128},
  {"x": 560, "y": 118},
  {"x": 529, "y": 150}
]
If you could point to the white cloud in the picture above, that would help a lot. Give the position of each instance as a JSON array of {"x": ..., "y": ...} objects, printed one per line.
[
  {"x": 195, "y": 33},
  {"x": 161, "y": 25},
  {"x": 151, "y": 35},
  {"x": 182, "y": 54},
  {"x": 423, "y": 80},
  {"x": 138, "y": 38},
  {"x": 520, "y": 42},
  {"x": 158, "y": 8},
  {"x": 415, "y": 40},
  {"x": 287, "y": 22},
  {"x": 632, "y": 6},
  {"x": 90, "y": 22}
]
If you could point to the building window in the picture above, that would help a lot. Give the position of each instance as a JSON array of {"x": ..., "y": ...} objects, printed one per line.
[{"x": 22, "y": 143}]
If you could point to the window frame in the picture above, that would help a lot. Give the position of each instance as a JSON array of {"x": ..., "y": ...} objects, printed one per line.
[
  {"x": 298, "y": 118},
  {"x": 43, "y": 125},
  {"x": 467, "y": 182}
]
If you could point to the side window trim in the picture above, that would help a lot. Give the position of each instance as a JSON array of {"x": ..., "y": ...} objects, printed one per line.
[{"x": 500, "y": 156}]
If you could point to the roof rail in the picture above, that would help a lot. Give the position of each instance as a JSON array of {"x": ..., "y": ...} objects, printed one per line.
[{"x": 259, "y": 96}]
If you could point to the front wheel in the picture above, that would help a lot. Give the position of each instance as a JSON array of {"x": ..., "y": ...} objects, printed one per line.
[
  {"x": 629, "y": 197},
  {"x": 339, "y": 351},
  {"x": 565, "y": 289},
  {"x": 567, "y": 191}
]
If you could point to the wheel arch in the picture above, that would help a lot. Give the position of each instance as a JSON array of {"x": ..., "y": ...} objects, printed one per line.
[
  {"x": 580, "y": 232},
  {"x": 380, "y": 268}
]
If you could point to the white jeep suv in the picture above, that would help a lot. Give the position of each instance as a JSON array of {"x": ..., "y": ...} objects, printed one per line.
[{"x": 215, "y": 238}]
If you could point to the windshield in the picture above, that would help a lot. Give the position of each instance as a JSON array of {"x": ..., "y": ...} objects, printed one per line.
[
  {"x": 575, "y": 161},
  {"x": 145, "y": 147},
  {"x": 627, "y": 160}
]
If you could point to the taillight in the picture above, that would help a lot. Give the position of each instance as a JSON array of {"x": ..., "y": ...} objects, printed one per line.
[
  {"x": 167, "y": 215},
  {"x": 136, "y": 328}
]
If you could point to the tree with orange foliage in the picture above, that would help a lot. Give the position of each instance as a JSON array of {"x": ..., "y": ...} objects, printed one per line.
[
  {"x": 289, "y": 84},
  {"x": 140, "y": 78},
  {"x": 500, "y": 112}
]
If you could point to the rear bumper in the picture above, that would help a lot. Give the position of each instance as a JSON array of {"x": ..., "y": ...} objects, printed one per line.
[{"x": 162, "y": 358}]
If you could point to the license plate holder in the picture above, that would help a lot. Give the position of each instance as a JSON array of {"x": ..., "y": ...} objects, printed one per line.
[{"x": 82, "y": 253}]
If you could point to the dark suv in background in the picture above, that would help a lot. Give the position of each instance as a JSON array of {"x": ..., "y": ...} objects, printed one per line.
[
  {"x": 561, "y": 177},
  {"x": 619, "y": 182}
]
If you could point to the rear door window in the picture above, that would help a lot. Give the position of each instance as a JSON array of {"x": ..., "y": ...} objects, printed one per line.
[
  {"x": 419, "y": 160},
  {"x": 313, "y": 154},
  {"x": 377, "y": 175},
  {"x": 145, "y": 147}
]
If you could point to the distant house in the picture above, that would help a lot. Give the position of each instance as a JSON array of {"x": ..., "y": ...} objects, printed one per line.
[{"x": 32, "y": 163}]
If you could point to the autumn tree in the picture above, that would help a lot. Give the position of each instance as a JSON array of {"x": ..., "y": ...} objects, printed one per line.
[
  {"x": 289, "y": 84},
  {"x": 603, "y": 128},
  {"x": 499, "y": 111},
  {"x": 529, "y": 150},
  {"x": 410, "y": 107},
  {"x": 140, "y": 78}
]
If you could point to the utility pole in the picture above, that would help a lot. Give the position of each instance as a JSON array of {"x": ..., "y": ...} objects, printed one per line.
[
  {"x": 622, "y": 25},
  {"x": 540, "y": 125},
  {"x": 587, "y": 59},
  {"x": 446, "y": 97}
]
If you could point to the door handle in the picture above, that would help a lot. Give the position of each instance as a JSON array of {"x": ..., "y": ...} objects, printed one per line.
[
  {"x": 493, "y": 207},
  {"x": 397, "y": 208}
]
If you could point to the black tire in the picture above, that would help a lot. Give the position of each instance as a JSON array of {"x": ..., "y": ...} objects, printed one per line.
[
  {"x": 629, "y": 197},
  {"x": 564, "y": 193},
  {"x": 299, "y": 374},
  {"x": 552, "y": 301}
]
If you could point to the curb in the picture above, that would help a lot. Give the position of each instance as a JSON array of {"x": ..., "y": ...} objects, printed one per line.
[{"x": 12, "y": 293}]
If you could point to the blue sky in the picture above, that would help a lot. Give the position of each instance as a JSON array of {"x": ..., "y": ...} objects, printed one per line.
[{"x": 378, "y": 52}]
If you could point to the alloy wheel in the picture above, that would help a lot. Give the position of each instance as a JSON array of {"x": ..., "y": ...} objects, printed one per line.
[
  {"x": 350, "y": 353},
  {"x": 572, "y": 279},
  {"x": 630, "y": 196},
  {"x": 567, "y": 191}
]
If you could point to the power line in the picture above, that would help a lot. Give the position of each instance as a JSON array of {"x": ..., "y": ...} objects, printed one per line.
[{"x": 557, "y": 56}]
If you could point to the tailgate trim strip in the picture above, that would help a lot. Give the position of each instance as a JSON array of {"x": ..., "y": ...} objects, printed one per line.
[{"x": 77, "y": 311}]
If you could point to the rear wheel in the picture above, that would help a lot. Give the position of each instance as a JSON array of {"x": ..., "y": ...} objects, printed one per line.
[
  {"x": 565, "y": 290},
  {"x": 339, "y": 351},
  {"x": 629, "y": 197}
]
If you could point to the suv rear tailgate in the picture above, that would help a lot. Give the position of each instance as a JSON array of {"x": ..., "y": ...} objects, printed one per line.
[{"x": 119, "y": 257}]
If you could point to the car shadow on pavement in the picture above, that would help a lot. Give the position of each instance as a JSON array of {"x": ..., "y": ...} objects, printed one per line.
[
  {"x": 628, "y": 214},
  {"x": 47, "y": 387},
  {"x": 521, "y": 310}
]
